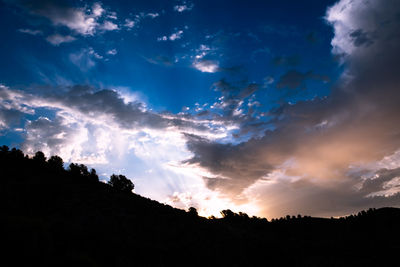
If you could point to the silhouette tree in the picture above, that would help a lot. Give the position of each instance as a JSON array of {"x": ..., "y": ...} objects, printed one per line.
[
  {"x": 193, "y": 211},
  {"x": 4, "y": 149},
  {"x": 78, "y": 169},
  {"x": 39, "y": 157},
  {"x": 227, "y": 214},
  {"x": 55, "y": 162},
  {"x": 121, "y": 183},
  {"x": 93, "y": 177},
  {"x": 16, "y": 154}
]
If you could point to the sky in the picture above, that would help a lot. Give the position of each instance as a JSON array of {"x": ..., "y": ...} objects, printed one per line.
[{"x": 264, "y": 107}]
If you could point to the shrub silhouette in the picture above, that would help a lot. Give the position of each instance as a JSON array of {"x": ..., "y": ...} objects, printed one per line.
[{"x": 121, "y": 183}]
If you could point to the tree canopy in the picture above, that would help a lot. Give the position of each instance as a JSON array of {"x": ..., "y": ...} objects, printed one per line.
[{"x": 121, "y": 183}]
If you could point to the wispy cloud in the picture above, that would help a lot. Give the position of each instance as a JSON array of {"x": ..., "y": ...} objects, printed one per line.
[
  {"x": 31, "y": 32},
  {"x": 57, "y": 39},
  {"x": 85, "y": 59}
]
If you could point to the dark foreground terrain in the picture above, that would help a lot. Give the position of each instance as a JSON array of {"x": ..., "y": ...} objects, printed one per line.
[{"x": 56, "y": 217}]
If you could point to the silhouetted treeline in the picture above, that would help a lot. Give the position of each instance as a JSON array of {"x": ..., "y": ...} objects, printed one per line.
[{"x": 51, "y": 216}]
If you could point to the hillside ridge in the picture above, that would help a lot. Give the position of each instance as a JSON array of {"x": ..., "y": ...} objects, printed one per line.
[{"x": 52, "y": 216}]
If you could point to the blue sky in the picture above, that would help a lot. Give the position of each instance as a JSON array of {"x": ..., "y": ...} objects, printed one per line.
[{"x": 201, "y": 103}]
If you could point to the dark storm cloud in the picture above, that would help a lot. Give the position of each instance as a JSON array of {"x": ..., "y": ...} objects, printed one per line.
[
  {"x": 9, "y": 117},
  {"x": 237, "y": 106},
  {"x": 45, "y": 133},
  {"x": 236, "y": 168},
  {"x": 360, "y": 38},
  {"x": 294, "y": 79},
  {"x": 93, "y": 103},
  {"x": 317, "y": 141},
  {"x": 377, "y": 183},
  {"x": 10, "y": 113}
]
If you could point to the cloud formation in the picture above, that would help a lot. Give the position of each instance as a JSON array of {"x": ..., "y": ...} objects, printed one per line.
[
  {"x": 206, "y": 65},
  {"x": 76, "y": 19},
  {"x": 31, "y": 32},
  {"x": 185, "y": 6},
  {"x": 174, "y": 36},
  {"x": 57, "y": 39},
  {"x": 317, "y": 145},
  {"x": 293, "y": 79}
]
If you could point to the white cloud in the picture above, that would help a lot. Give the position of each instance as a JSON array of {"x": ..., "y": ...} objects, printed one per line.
[
  {"x": 112, "y": 15},
  {"x": 57, "y": 39},
  {"x": 210, "y": 66},
  {"x": 202, "y": 51},
  {"x": 152, "y": 15},
  {"x": 129, "y": 23},
  {"x": 163, "y": 38},
  {"x": 85, "y": 58},
  {"x": 185, "y": 6},
  {"x": 112, "y": 52},
  {"x": 31, "y": 32},
  {"x": 353, "y": 31},
  {"x": 78, "y": 19},
  {"x": 97, "y": 10},
  {"x": 109, "y": 26},
  {"x": 174, "y": 36}
]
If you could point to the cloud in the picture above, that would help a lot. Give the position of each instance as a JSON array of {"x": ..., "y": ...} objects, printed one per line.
[
  {"x": 135, "y": 21},
  {"x": 112, "y": 52},
  {"x": 306, "y": 160},
  {"x": 97, "y": 10},
  {"x": 85, "y": 59},
  {"x": 92, "y": 104},
  {"x": 109, "y": 26},
  {"x": 293, "y": 79},
  {"x": 31, "y": 32},
  {"x": 185, "y": 6},
  {"x": 205, "y": 65},
  {"x": 202, "y": 51},
  {"x": 57, "y": 39},
  {"x": 129, "y": 23},
  {"x": 174, "y": 36},
  {"x": 160, "y": 60},
  {"x": 80, "y": 20},
  {"x": 152, "y": 15}
]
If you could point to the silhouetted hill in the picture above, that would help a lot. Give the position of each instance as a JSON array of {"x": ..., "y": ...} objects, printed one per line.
[{"x": 56, "y": 217}]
